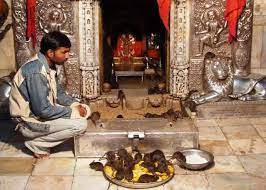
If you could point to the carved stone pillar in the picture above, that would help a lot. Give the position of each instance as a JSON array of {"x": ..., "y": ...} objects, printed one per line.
[
  {"x": 242, "y": 47},
  {"x": 19, "y": 28},
  {"x": 89, "y": 47},
  {"x": 179, "y": 48}
]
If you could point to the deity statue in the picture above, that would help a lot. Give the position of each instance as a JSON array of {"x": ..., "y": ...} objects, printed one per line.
[
  {"x": 211, "y": 31},
  {"x": 221, "y": 84}
]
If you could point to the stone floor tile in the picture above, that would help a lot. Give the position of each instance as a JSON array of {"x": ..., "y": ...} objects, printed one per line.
[
  {"x": 224, "y": 164},
  {"x": 183, "y": 171},
  {"x": 13, "y": 182},
  {"x": 230, "y": 181},
  {"x": 187, "y": 182},
  {"x": 258, "y": 121},
  {"x": 15, "y": 150},
  {"x": 232, "y": 121},
  {"x": 83, "y": 167},
  {"x": 91, "y": 182},
  {"x": 16, "y": 166},
  {"x": 255, "y": 164},
  {"x": 65, "y": 150},
  {"x": 211, "y": 133},
  {"x": 258, "y": 183},
  {"x": 240, "y": 132},
  {"x": 248, "y": 146},
  {"x": 50, "y": 183},
  {"x": 216, "y": 147},
  {"x": 205, "y": 123},
  {"x": 261, "y": 130},
  {"x": 54, "y": 166}
]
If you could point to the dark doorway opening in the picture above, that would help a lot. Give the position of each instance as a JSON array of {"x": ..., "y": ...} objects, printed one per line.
[{"x": 134, "y": 44}]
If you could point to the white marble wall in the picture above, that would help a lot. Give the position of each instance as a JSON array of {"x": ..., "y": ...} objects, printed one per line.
[
  {"x": 258, "y": 59},
  {"x": 7, "y": 52},
  {"x": 258, "y": 55}
]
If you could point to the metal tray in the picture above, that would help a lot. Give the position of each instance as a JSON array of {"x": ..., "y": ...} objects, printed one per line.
[{"x": 138, "y": 185}]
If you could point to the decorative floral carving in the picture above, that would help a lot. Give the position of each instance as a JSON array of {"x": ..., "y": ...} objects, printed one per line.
[{"x": 55, "y": 15}]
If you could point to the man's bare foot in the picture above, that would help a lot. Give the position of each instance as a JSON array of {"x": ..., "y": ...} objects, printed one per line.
[{"x": 41, "y": 156}]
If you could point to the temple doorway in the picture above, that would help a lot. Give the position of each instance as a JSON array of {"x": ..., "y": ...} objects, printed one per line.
[{"x": 134, "y": 48}]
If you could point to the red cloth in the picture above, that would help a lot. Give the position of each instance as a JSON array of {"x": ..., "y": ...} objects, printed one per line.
[
  {"x": 138, "y": 48},
  {"x": 164, "y": 10},
  {"x": 31, "y": 30},
  {"x": 153, "y": 53},
  {"x": 233, "y": 10}
]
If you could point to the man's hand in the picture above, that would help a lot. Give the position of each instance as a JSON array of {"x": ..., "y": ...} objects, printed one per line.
[{"x": 82, "y": 110}]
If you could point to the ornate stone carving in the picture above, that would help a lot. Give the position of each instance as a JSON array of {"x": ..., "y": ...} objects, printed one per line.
[
  {"x": 72, "y": 77},
  {"x": 19, "y": 28},
  {"x": 244, "y": 31},
  {"x": 89, "y": 47},
  {"x": 179, "y": 52},
  {"x": 242, "y": 47},
  {"x": 195, "y": 74},
  {"x": 19, "y": 20},
  {"x": 209, "y": 28},
  {"x": 24, "y": 51},
  {"x": 55, "y": 15}
]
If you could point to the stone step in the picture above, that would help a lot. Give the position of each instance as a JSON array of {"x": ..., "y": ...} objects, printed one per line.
[
  {"x": 148, "y": 134},
  {"x": 232, "y": 109}
]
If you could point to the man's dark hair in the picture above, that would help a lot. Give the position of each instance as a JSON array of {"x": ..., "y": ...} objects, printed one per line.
[{"x": 54, "y": 40}]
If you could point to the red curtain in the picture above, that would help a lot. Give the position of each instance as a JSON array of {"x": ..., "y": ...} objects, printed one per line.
[
  {"x": 31, "y": 30},
  {"x": 164, "y": 9},
  {"x": 233, "y": 10}
]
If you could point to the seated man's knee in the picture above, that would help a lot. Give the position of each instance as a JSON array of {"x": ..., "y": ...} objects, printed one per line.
[{"x": 80, "y": 126}]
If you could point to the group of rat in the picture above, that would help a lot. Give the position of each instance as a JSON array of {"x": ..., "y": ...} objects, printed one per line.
[{"x": 123, "y": 163}]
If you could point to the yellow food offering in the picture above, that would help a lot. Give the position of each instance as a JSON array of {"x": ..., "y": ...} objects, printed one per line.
[
  {"x": 138, "y": 171},
  {"x": 109, "y": 171}
]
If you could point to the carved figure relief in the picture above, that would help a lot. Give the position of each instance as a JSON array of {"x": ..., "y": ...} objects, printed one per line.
[
  {"x": 55, "y": 15},
  {"x": 209, "y": 28},
  {"x": 212, "y": 28}
]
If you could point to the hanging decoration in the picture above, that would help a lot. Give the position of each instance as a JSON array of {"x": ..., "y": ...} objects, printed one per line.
[
  {"x": 31, "y": 15},
  {"x": 164, "y": 10}
]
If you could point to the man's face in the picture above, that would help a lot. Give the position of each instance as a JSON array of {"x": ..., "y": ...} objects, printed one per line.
[{"x": 60, "y": 55}]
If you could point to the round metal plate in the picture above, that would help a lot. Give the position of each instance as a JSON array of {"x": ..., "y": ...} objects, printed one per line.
[{"x": 138, "y": 185}]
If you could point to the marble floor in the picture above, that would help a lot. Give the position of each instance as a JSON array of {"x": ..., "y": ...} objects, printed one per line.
[{"x": 238, "y": 145}]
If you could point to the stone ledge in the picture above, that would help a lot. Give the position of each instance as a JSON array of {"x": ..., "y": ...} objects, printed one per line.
[
  {"x": 158, "y": 134},
  {"x": 232, "y": 109}
]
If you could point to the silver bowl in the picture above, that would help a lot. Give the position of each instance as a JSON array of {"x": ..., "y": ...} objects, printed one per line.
[{"x": 197, "y": 153}]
